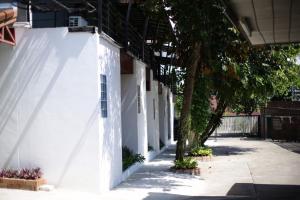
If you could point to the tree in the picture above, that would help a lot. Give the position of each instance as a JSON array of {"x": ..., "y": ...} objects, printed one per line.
[
  {"x": 238, "y": 74},
  {"x": 193, "y": 22},
  {"x": 260, "y": 74}
]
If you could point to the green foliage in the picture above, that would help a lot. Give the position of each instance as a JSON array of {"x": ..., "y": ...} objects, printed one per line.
[
  {"x": 129, "y": 157},
  {"x": 200, "y": 111},
  {"x": 241, "y": 76},
  {"x": 186, "y": 163},
  {"x": 201, "y": 151},
  {"x": 150, "y": 148},
  {"x": 161, "y": 144}
]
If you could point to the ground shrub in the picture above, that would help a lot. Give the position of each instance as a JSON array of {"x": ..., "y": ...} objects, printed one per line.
[
  {"x": 129, "y": 157},
  {"x": 161, "y": 144},
  {"x": 150, "y": 148},
  {"x": 201, "y": 151},
  {"x": 187, "y": 163}
]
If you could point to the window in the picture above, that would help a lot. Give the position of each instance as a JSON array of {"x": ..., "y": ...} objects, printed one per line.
[
  {"x": 103, "y": 95},
  {"x": 139, "y": 98},
  {"x": 154, "y": 109}
]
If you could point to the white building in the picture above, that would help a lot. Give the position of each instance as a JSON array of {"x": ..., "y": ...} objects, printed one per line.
[{"x": 67, "y": 108}]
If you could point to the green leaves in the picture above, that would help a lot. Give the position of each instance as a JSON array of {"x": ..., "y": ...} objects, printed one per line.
[
  {"x": 129, "y": 157},
  {"x": 186, "y": 163},
  {"x": 201, "y": 151}
]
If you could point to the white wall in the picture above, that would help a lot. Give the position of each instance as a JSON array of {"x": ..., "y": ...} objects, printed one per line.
[
  {"x": 111, "y": 133},
  {"x": 134, "y": 124},
  {"x": 153, "y": 123},
  {"x": 142, "y": 116},
  {"x": 163, "y": 115},
  {"x": 172, "y": 114},
  {"x": 49, "y": 91},
  {"x": 166, "y": 115},
  {"x": 129, "y": 111}
]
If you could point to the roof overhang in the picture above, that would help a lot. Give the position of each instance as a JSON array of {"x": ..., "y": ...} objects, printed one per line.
[{"x": 266, "y": 21}]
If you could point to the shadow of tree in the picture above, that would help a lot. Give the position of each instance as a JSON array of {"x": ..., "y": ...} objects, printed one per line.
[
  {"x": 262, "y": 192},
  {"x": 290, "y": 146},
  {"x": 167, "y": 196},
  {"x": 157, "y": 174},
  {"x": 231, "y": 150}
]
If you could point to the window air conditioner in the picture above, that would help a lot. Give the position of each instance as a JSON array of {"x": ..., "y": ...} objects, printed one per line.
[{"x": 77, "y": 21}]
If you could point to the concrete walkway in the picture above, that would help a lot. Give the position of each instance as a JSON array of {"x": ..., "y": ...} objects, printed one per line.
[{"x": 240, "y": 169}]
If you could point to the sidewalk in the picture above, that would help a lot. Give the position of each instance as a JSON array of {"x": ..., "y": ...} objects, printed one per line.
[
  {"x": 155, "y": 181},
  {"x": 240, "y": 169},
  {"x": 152, "y": 181}
]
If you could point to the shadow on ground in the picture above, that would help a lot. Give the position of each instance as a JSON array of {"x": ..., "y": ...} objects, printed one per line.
[
  {"x": 263, "y": 192},
  {"x": 157, "y": 175},
  {"x": 290, "y": 146},
  {"x": 231, "y": 150}
]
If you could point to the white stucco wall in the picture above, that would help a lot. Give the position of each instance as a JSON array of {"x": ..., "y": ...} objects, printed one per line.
[
  {"x": 134, "y": 124},
  {"x": 129, "y": 111},
  {"x": 163, "y": 120},
  {"x": 153, "y": 123},
  {"x": 166, "y": 115},
  {"x": 49, "y": 91},
  {"x": 172, "y": 115},
  {"x": 142, "y": 116},
  {"x": 111, "y": 133}
]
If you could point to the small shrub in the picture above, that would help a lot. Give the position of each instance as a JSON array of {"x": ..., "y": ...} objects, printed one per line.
[
  {"x": 161, "y": 144},
  {"x": 201, "y": 151},
  {"x": 150, "y": 148},
  {"x": 129, "y": 157},
  {"x": 29, "y": 174},
  {"x": 187, "y": 163}
]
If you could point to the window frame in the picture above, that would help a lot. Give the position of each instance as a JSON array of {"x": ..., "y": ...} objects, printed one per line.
[
  {"x": 103, "y": 96},
  {"x": 139, "y": 99}
]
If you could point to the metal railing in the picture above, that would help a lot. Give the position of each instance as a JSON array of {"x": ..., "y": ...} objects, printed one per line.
[
  {"x": 114, "y": 24},
  {"x": 238, "y": 126}
]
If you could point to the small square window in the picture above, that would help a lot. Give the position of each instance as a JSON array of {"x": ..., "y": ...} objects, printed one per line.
[
  {"x": 139, "y": 98},
  {"x": 103, "y": 95},
  {"x": 154, "y": 109}
]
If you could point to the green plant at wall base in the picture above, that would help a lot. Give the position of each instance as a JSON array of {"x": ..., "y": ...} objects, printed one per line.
[
  {"x": 129, "y": 157},
  {"x": 150, "y": 148},
  {"x": 186, "y": 163},
  {"x": 161, "y": 144},
  {"x": 201, "y": 151}
]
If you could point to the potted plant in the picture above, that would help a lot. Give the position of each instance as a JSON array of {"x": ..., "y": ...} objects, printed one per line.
[{"x": 27, "y": 179}]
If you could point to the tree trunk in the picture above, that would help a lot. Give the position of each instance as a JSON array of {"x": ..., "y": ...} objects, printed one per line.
[
  {"x": 213, "y": 123},
  {"x": 187, "y": 101}
]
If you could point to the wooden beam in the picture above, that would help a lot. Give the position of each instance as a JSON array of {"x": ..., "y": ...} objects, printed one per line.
[
  {"x": 7, "y": 36},
  {"x": 12, "y": 37},
  {"x": 126, "y": 62},
  {"x": 11, "y": 21}
]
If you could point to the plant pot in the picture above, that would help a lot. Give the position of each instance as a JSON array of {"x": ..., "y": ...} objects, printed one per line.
[
  {"x": 195, "y": 171},
  {"x": 14, "y": 183}
]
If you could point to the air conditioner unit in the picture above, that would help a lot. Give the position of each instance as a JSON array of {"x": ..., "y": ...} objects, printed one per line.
[{"x": 77, "y": 21}]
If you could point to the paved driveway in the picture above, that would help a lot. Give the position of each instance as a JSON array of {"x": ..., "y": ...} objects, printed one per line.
[{"x": 240, "y": 169}]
